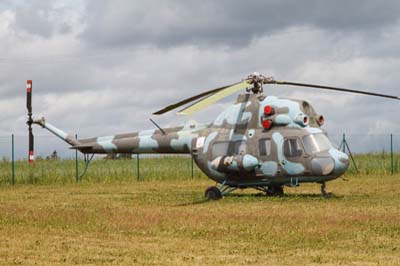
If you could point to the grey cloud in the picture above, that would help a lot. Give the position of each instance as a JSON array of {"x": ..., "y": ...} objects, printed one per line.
[
  {"x": 34, "y": 21},
  {"x": 43, "y": 18},
  {"x": 228, "y": 23},
  {"x": 100, "y": 82}
]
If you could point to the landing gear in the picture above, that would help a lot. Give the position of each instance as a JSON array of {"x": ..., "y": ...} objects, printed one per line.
[
  {"x": 271, "y": 191},
  {"x": 216, "y": 193},
  {"x": 213, "y": 193},
  {"x": 275, "y": 191},
  {"x": 324, "y": 193}
]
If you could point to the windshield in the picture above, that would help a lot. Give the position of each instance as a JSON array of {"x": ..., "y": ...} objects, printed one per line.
[{"x": 315, "y": 143}]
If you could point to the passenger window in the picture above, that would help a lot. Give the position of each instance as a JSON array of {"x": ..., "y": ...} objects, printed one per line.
[
  {"x": 292, "y": 148},
  {"x": 264, "y": 146},
  {"x": 228, "y": 148},
  {"x": 220, "y": 149},
  {"x": 240, "y": 147}
]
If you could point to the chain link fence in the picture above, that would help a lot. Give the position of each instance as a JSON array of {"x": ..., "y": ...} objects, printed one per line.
[
  {"x": 377, "y": 154},
  {"x": 56, "y": 163}
]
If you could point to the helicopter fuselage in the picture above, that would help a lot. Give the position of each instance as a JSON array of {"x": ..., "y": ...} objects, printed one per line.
[
  {"x": 275, "y": 157},
  {"x": 239, "y": 149},
  {"x": 257, "y": 141}
]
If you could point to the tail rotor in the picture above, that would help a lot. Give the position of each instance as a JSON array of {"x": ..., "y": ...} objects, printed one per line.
[{"x": 30, "y": 120}]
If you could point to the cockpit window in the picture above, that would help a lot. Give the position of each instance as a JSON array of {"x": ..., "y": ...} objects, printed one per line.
[
  {"x": 264, "y": 147},
  {"x": 315, "y": 143},
  {"x": 292, "y": 148}
]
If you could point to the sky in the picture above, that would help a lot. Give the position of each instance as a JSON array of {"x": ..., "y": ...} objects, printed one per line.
[{"x": 102, "y": 67}]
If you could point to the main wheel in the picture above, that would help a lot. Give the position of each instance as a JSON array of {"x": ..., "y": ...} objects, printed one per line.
[
  {"x": 275, "y": 191},
  {"x": 213, "y": 193}
]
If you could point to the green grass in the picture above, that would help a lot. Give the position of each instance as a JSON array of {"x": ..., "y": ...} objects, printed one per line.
[
  {"x": 169, "y": 223},
  {"x": 375, "y": 163},
  {"x": 100, "y": 170},
  {"x": 151, "y": 169}
]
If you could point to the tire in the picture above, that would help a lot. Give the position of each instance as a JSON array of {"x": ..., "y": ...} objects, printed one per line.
[{"x": 213, "y": 193}]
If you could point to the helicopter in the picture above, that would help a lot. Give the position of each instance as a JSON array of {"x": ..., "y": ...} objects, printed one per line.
[{"x": 260, "y": 142}]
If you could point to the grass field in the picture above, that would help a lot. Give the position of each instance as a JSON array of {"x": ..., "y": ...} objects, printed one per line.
[{"x": 119, "y": 221}]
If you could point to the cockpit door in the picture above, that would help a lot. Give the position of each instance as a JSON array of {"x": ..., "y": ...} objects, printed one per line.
[
  {"x": 265, "y": 148},
  {"x": 293, "y": 151}
]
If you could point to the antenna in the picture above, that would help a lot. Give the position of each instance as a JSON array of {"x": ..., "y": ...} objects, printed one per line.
[{"x": 154, "y": 123}]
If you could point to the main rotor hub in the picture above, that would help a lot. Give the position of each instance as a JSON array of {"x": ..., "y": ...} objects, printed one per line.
[{"x": 257, "y": 80}]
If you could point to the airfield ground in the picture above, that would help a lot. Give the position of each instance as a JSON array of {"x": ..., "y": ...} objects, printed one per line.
[{"x": 167, "y": 223}]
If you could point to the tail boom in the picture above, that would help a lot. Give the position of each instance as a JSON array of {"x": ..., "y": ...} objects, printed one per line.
[
  {"x": 171, "y": 140},
  {"x": 178, "y": 140},
  {"x": 58, "y": 132}
]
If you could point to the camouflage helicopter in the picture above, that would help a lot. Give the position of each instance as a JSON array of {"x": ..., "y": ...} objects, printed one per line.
[{"x": 260, "y": 142}]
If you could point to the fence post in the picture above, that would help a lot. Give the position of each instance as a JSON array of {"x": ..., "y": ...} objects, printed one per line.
[
  {"x": 137, "y": 167},
  {"x": 12, "y": 161},
  {"x": 391, "y": 152},
  {"x": 344, "y": 143},
  {"x": 191, "y": 159},
  {"x": 76, "y": 163}
]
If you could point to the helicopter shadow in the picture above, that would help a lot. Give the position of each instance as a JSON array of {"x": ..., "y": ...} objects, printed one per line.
[
  {"x": 262, "y": 196},
  {"x": 287, "y": 196},
  {"x": 196, "y": 202}
]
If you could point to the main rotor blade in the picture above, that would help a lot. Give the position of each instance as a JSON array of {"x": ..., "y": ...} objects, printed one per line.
[
  {"x": 214, "y": 98},
  {"x": 188, "y": 100},
  {"x": 333, "y": 88}
]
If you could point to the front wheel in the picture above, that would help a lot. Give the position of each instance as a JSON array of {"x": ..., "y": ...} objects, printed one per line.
[
  {"x": 275, "y": 191},
  {"x": 213, "y": 193}
]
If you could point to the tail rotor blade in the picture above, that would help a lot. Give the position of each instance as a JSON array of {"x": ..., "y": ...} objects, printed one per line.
[
  {"x": 29, "y": 96},
  {"x": 31, "y": 147}
]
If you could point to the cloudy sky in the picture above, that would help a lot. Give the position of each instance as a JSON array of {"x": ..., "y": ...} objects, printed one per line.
[{"x": 102, "y": 67}]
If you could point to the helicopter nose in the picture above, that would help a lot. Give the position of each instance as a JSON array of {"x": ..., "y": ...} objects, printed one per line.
[
  {"x": 341, "y": 161},
  {"x": 322, "y": 165}
]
